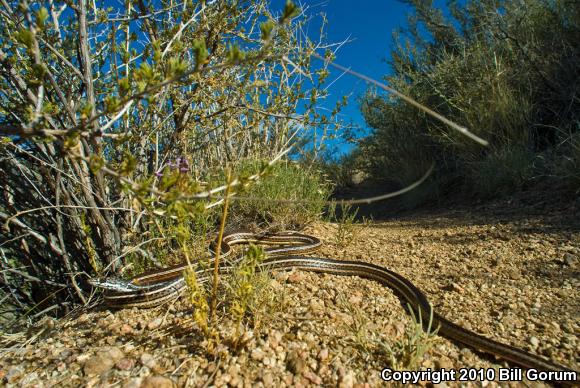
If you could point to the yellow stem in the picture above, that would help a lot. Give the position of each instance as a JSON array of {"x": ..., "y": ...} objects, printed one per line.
[{"x": 219, "y": 247}]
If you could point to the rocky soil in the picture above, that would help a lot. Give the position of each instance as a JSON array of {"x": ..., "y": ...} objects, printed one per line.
[{"x": 506, "y": 271}]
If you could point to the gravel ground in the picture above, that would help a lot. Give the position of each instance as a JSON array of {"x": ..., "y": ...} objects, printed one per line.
[{"x": 512, "y": 276}]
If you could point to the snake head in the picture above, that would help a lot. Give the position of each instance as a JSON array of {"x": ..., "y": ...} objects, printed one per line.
[{"x": 113, "y": 284}]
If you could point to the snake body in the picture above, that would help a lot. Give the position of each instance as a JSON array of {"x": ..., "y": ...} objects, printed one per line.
[{"x": 154, "y": 288}]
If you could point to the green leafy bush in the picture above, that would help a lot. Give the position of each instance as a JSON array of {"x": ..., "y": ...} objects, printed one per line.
[{"x": 288, "y": 181}]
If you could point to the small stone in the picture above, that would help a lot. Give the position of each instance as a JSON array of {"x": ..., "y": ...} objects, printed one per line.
[
  {"x": 295, "y": 363},
  {"x": 296, "y": 277},
  {"x": 355, "y": 299},
  {"x": 314, "y": 379},
  {"x": 115, "y": 353},
  {"x": 83, "y": 357},
  {"x": 454, "y": 287},
  {"x": 274, "y": 339},
  {"x": 154, "y": 324},
  {"x": 98, "y": 364},
  {"x": 157, "y": 382},
  {"x": 148, "y": 361},
  {"x": 347, "y": 380},
  {"x": 570, "y": 260},
  {"x": 125, "y": 364},
  {"x": 125, "y": 329},
  {"x": 535, "y": 342},
  {"x": 61, "y": 366},
  {"x": 268, "y": 379},
  {"x": 323, "y": 354},
  {"x": 64, "y": 354},
  {"x": 316, "y": 306},
  {"x": 211, "y": 367},
  {"x": 257, "y": 354},
  {"x": 288, "y": 380},
  {"x": 133, "y": 383},
  {"x": 310, "y": 339},
  {"x": 514, "y": 274}
]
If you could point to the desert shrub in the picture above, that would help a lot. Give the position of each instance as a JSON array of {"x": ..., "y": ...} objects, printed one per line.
[
  {"x": 502, "y": 171},
  {"x": 506, "y": 70},
  {"x": 288, "y": 181},
  {"x": 113, "y": 115}
]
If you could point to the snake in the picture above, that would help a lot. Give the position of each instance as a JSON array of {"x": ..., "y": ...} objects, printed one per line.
[{"x": 156, "y": 287}]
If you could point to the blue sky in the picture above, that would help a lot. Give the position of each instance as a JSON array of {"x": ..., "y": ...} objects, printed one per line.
[{"x": 369, "y": 24}]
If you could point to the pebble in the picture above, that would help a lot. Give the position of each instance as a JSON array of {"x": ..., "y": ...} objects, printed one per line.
[
  {"x": 347, "y": 380},
  {"x": 133, "y": 383},
  {"x": 314, "y": 379},
  {"x": 514, "y": 274},
  {"x": 257, "y": 354},
  {"x": 296, "y": 277},
  {"x": 97, "y": 365},
  {"x": 154, "y": 324},
  {"x": 268, "y": 379},
  {"x": 317, "y": 306},
  {"x": 457, "y": 288},
  {"x": 148, "y": 360},
  {"x": 466, "y": 354},
  {"x": 295, "y": 363},
  {"x": 355, "y": 299},
  {"x": 102, "y": 361},
  {"x": 126, "y": 329},
  {"x": 323, "y": 354},
  {"x": 125, "y": 364},
  {"x": 570, "y": 260},
  {"x": 535, "y": 342},
  {"x": 64, "y": 354},
  {"x": 115, "y": 353},
  {"x": 157, "y": 382},
  {"x": 274, "y": 339}
]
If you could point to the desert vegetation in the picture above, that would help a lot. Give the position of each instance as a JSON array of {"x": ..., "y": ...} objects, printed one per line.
[
  {"x": 508, "y": 71},
  {"x": 118, "y": 124}
]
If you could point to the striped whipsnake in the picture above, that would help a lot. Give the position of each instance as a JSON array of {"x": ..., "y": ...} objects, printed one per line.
[{"x": 154, "y": 288}]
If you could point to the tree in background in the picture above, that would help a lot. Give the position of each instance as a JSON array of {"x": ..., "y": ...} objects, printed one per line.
[
  {"x": 112, "y": 117},
  {"x": 508, "y": 70}
]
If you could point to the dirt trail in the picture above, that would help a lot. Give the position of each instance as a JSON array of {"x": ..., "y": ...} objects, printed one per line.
[{"x": 508, "y": 271}]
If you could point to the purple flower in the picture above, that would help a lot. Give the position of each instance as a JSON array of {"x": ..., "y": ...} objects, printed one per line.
[{"x": 183, "y": 164}]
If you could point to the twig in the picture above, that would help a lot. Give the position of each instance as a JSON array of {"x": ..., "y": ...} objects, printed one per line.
[
  {"x": 20, "y": 213},
  {"x": 33, "y": 278},
  {"x": 219, "y": 249}
]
